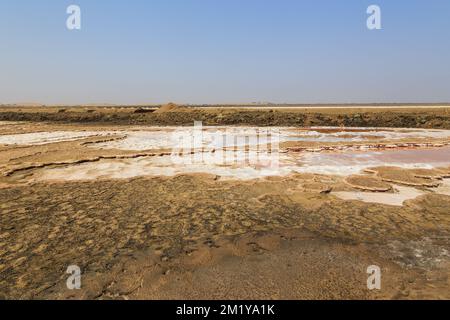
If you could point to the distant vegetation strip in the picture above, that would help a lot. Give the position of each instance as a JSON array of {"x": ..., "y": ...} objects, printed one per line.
[{"x": 438, "y": 118}]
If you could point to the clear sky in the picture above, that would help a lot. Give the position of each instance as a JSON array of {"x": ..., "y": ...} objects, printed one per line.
[{"x": 224, "y": 51}]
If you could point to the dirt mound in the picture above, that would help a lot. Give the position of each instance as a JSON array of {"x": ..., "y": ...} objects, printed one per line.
[{"x": 167, "y": 108}]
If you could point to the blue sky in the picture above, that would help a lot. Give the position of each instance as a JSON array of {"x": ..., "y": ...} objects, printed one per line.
[{"x": 224, "y": 51}]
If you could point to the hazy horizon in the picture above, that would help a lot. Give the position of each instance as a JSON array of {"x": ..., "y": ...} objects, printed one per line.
[
  {"x": 229, "y": 52},
  {"x": 151, "y": 104}
]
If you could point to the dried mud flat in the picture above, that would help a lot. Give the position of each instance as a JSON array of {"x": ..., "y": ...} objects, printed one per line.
[{"x": 194, "y": 235}]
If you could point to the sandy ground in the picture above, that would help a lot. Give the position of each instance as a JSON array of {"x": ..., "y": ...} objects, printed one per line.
[{"x": 196, "y": 236}]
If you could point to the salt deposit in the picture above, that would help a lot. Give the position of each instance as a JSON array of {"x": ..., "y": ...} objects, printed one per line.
[
  {"x": 39, "y": 138},
  {"x": 394, "y": 199},
  {"x": 239, "y": 152}
]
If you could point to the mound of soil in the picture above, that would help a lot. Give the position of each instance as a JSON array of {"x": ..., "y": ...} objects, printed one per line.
[{"x": 167, "y": 108}]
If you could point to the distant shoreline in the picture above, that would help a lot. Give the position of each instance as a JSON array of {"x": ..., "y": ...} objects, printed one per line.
[{"x": 248, "y": 106}]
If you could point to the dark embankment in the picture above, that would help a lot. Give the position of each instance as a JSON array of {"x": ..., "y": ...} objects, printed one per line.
[{"x": 401, "y": 118}]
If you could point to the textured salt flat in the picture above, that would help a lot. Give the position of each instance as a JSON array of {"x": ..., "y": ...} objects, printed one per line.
[
  {"x": 169, "y": 137},
  {"x": 361, "y": 134},
  {"x": 157, "y": 166},
  {"x": 243, "y": 165},
  {"x": 351, "y": 162},
  {"x": 176, "y": 137},
  {"x": 237, "y": 152},
  {"x": 38, "y": 138},
  {"x": 2, "y": 123}
]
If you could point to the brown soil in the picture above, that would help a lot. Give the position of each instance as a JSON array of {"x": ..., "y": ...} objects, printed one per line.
[
  {"x": 170, "y": 107},
  {"x": 404, "y": 177},
  {"x": 367, "y": 183},
  {"x": 317, "y": 187},
  {"x": 96, "y": 225}
]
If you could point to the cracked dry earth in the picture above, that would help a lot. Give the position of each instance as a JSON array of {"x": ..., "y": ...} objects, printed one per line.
[{"x": 195, "y": 235}]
